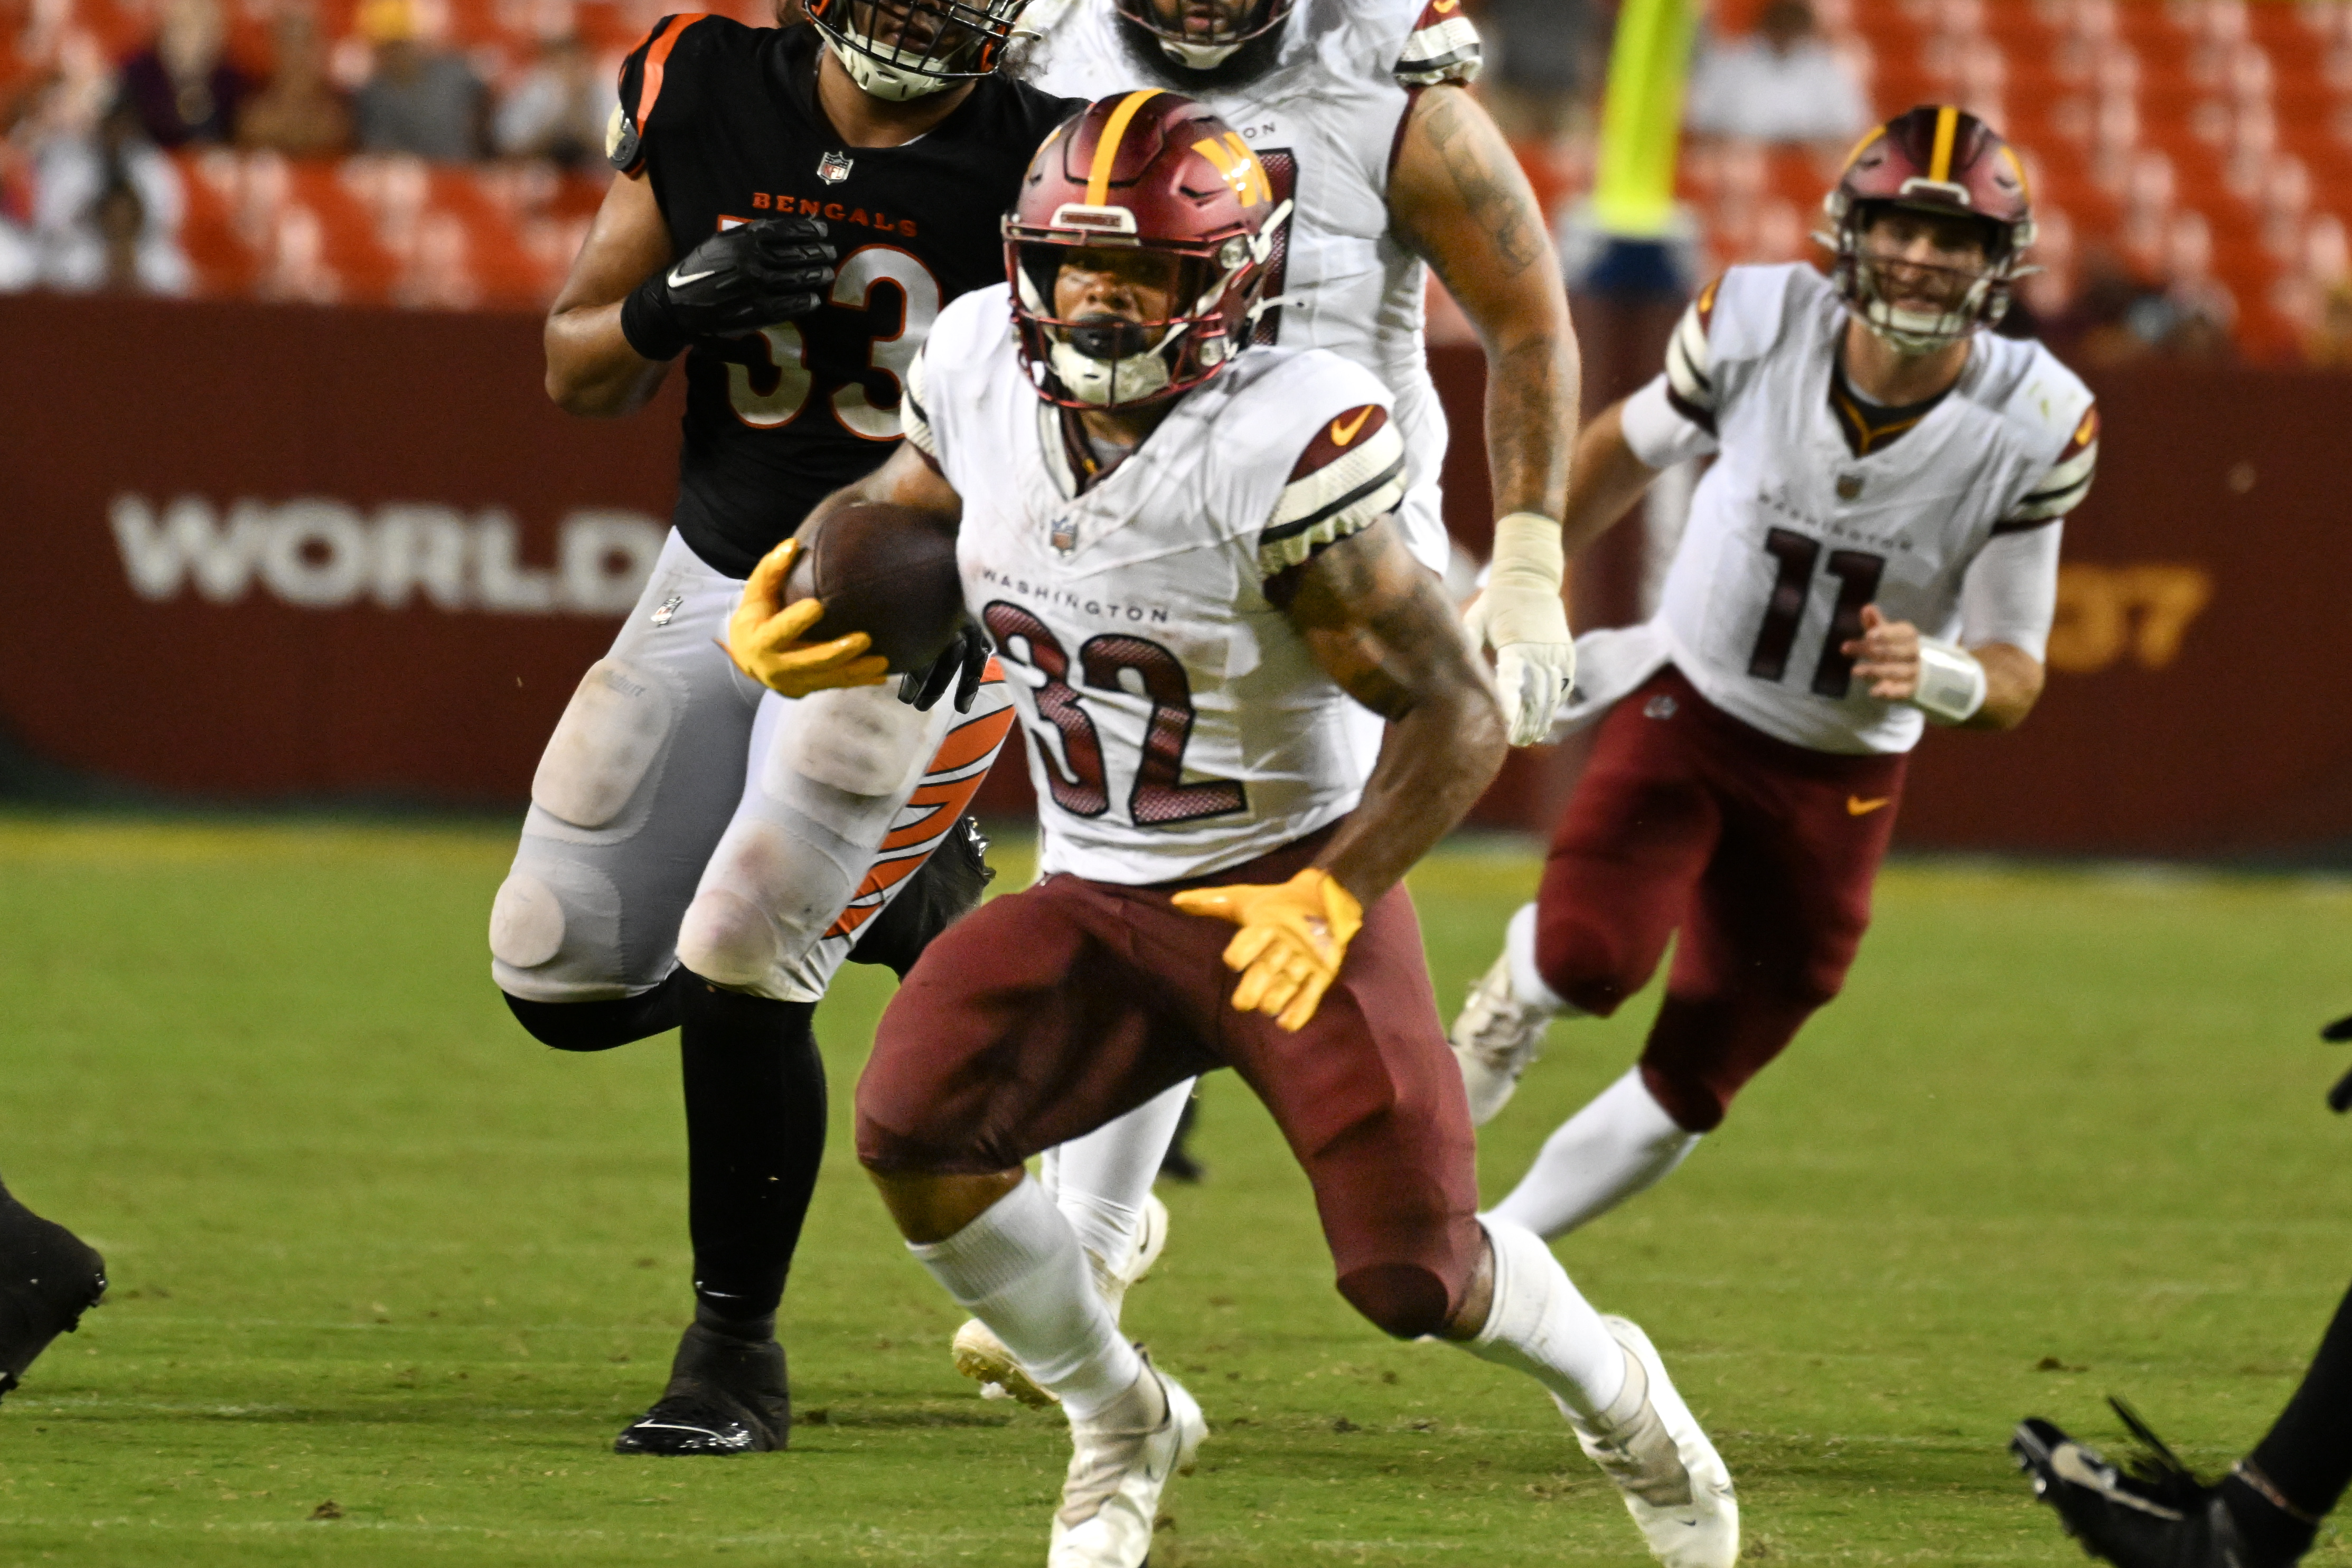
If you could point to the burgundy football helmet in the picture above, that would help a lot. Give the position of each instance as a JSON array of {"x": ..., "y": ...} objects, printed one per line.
[
  {"x": 1201, "y": 34},
  {"x": 1941, "y": 160},
  {"x": 901, "y": 49},
  {"x": 1153, "y": 172}
]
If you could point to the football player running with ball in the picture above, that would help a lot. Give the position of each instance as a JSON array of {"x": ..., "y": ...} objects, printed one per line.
[
  {"x": 1359, "y": 113},
  {"x": 793, "y": 207},
  {"x": 1875, "y": 549},
  {"x": 1185, "y": 551}
]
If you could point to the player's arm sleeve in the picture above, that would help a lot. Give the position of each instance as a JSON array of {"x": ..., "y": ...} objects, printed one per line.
[
  {"x": 1673, "y": 418},
  {"x": 1443, "y": 46},
  {"x": 2062, "y": 486},
  {"x": 644, "y": 71},
  {"x": 914, "y": 419},
  {"x": 1351, "y": 475},
  {"x": 2009, "y": 593}
]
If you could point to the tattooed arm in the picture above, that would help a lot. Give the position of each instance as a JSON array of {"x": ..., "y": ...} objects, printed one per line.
[
  {"x": 1383, "y": 628},
  {"x": 1457, "y": 199}
]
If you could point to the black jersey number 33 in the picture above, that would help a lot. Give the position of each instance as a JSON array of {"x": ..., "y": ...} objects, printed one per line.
[{"x": 729, "y": 131}]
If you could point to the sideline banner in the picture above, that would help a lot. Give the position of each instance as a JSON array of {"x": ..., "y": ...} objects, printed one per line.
[
  {"x": 279, "y": 551},
  {"x": 285, "y": 550}
]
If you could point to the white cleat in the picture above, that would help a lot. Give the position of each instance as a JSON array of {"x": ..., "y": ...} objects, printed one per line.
[
  {"x": 982, "y": 1357},
  {"x": 1674, "y": 1483},
  {"x": 1495, "y": 1038},
  {"x": 1121, "y": 1462}
]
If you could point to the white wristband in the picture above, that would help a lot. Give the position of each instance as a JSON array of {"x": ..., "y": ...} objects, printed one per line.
[{"x": 1951, "y": 682}]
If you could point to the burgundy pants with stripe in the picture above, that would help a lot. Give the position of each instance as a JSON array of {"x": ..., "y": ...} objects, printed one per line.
[{"x": 1760, "y": 853}]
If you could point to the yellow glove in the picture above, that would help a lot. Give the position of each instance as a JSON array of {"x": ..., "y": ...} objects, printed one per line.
[
  {"x": 1294, "y": 937},
  {"x": 763, "y": 638}
]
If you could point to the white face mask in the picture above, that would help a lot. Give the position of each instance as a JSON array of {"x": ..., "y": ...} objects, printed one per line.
[
  {"x": 1198, "y": 57},
  {"x": 1911, "y": 331},
  {"x": 1102, "y": 382},
  {"x": 892, "y": 84}
]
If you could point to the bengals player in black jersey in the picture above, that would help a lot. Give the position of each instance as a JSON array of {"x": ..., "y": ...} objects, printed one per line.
[{"x": 792, "y": 207}]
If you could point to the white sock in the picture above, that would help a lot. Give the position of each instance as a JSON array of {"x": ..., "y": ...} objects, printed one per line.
[
  {"x": 1101, "y": 1181},
  {"x": 1542, "y": 1325},
  {"x": 1018, "y": 1269},
  {"x": 1528, "y": 983},
  {"x": 1621, "y": 1144}
]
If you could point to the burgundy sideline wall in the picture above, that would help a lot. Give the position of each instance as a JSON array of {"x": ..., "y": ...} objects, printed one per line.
[{"x": 2199, "y": 702}]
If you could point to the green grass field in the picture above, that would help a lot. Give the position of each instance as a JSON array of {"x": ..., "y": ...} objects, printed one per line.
[{"x": 2062, "y": 1136}]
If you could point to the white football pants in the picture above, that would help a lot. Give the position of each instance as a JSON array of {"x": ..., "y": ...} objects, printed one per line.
[{"x": 683, "y": 813}]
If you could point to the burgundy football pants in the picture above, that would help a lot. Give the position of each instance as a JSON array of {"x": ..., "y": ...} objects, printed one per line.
[{"x": 1760, "y": 853}]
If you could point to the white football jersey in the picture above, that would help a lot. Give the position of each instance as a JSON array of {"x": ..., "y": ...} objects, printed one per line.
[
  {"x": 1177, "y": 722},
  {"x": 1792, "y": 530},
  {"x": 1325, "y": 122}
]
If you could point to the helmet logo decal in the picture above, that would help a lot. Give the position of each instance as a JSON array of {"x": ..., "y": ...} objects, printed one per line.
[
  {"x": 1114, "y": 131},
  {"x": 1240, "y": 168}
]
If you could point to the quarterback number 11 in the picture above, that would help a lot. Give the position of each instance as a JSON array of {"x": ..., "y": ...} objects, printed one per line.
[{"x": 1857, "y": 572}]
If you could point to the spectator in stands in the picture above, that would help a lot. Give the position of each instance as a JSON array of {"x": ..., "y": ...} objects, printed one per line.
[
  {"x": 418, "y": 100},
  {"x": 2329, "y": 344},
  {"x": 182, "y": 84},
  {"x": 299, "y": 113},
  {"x": 107, "y": 211},
  {"x": 1546, "y": 58},
  {"x": 1783, "y": 84},
  {"x": 558, "y": 109}
]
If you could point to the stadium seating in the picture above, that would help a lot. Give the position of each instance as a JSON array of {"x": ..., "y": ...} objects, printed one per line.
[
  {"x": 2209, "y": 142},
  {"x": 2204, "y": 145},
  {"x": 369, "y": 229}
]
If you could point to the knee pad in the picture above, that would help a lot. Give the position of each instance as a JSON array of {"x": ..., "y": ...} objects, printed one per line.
[
  {"x": 726, "y": 938},
  {"x": 1581, "y": 961},
  {"x": 1702, "y": 1051},
  {"x": 1404, "y": 1301},
  {"x": 610, "y": 736},
  {"x": 860, "y": 740},
  {"x": 555, "y": 931}
]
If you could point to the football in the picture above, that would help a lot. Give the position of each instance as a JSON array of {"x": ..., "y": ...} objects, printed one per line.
[{"x": 888, "y": 571}]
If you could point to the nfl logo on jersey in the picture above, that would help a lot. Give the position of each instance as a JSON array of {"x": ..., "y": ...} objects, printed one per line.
[{"x": 833, "y": 168}]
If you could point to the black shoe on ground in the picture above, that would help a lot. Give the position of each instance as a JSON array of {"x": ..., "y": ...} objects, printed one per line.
[
  {"x": 725, "y": 1396},
  {"x": 48, "y": 1278},
  {"x": 2159, "y": 1515}
]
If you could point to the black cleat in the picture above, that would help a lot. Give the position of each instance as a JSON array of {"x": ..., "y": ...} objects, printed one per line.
[
  {"x": 48, "y": 1278},
  {"x": 2159, "y": 1515},
  {"x": 944, "y": 889},
  {"x": 725, "y": 1396}
]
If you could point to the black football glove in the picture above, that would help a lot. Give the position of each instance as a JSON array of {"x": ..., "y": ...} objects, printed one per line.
[
  {"x": 737, "y": 281},
  {"x": 961, "y": 667}
]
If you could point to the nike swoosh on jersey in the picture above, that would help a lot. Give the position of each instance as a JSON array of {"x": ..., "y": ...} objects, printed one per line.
[
  {"x": 1856, "y": 806},
  {"x": 677, "y": 282},
  {"x": 1342, "y": 435}
]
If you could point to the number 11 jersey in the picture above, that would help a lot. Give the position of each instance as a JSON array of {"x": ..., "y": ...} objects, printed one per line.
[
  {"x": 1800, "y": 523},
  {"x": 724, "y": 120}
]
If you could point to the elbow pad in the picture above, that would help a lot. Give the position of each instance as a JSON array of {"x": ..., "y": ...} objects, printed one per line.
[{"x": 1951, "y": 682}]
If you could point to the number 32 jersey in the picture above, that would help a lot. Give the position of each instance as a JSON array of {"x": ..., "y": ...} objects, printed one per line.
[
  {"x": 1177, "y": 722},
  {"x": 1325, "y": 121},
  {"x": 1950, "y": 521},
  {"x": 726, "y": 124}
]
